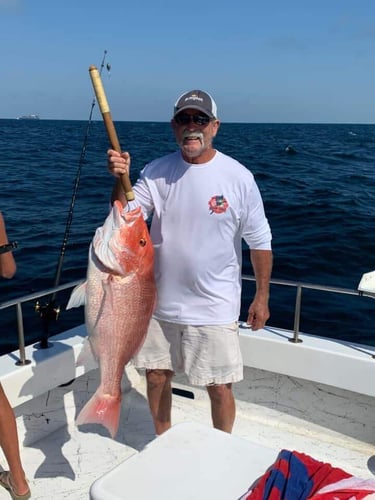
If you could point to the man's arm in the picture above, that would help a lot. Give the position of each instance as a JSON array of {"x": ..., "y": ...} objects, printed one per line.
[{"x": 259, "y": 313}]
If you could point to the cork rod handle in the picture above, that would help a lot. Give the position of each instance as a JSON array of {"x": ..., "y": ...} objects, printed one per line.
[{"x": 109, "y": 125}]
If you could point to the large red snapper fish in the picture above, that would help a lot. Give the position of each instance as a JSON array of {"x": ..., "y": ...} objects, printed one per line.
[{"x": 119, "y": 296}]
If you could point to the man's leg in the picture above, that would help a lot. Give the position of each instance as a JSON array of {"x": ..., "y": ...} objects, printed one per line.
[
  {"x": 223, "y": 407},
  {"x": 159, "y": 394}
]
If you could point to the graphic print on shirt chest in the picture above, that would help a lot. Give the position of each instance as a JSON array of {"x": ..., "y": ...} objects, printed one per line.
[{"x": 218, "y": 204}]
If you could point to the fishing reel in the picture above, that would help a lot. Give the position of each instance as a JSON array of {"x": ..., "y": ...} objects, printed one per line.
[{"x": 47, "y": 311}]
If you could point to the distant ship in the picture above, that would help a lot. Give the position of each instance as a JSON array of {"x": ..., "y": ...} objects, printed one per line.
[{"x": 28, "y": 117}]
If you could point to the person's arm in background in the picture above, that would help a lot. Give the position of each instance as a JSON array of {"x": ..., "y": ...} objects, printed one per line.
[{"x": 7, "y": 263}]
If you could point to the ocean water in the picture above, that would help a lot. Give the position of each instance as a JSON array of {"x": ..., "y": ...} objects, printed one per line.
[{"x": 319, "y": 199}]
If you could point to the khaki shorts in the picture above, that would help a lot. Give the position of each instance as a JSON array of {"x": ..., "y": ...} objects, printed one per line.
[{"x": 206, "y": 354}]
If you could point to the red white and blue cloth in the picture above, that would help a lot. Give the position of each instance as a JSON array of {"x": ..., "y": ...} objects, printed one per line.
[{"x": 296, "y": 476}]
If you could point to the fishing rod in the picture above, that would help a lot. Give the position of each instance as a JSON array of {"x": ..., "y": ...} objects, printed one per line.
[
  {"x": 50, "y": 310},
  {"x": 110, "y": 128}
]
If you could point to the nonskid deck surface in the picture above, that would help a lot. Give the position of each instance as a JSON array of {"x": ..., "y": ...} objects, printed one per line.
[{"x": 64, "y": 464}]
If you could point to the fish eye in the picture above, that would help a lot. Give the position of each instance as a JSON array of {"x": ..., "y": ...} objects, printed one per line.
[{"x": 142, "y": 242}]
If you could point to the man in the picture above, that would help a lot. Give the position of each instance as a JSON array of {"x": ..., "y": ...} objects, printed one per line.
[{"x": 202, "y": 204}]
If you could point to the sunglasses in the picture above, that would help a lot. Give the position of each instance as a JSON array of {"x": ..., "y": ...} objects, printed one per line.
[{"x": 185, "y": 119}]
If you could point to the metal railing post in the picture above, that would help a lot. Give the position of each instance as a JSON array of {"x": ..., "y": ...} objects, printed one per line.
[
  {"x": 21, "y": 337},
  {"x": 297, "y": 316}
]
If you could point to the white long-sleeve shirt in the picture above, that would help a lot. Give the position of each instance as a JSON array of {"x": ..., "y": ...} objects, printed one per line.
[{"x": 200, "y": 214}]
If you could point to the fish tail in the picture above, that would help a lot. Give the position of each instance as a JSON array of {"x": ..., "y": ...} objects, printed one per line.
[{"x": 101, "y": 409}]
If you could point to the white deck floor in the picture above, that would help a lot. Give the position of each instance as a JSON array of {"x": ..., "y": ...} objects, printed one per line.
[
  {"x": 66, "y": 463},
  {"x": 275, "y": 409}
]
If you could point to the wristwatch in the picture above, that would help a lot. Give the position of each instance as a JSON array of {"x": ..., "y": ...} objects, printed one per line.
[{"x": 8, "y": 247}]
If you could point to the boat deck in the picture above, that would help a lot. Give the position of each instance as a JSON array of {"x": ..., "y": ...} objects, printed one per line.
[
  {"x": 284, "y": 406},
  {"x": 66, "y": 462}
]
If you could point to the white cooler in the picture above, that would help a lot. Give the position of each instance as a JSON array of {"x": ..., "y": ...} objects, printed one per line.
[{"x": 188, "y": 462}]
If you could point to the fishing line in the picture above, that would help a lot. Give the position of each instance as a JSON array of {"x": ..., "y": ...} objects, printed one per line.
[{"x": 49, "y": 311}]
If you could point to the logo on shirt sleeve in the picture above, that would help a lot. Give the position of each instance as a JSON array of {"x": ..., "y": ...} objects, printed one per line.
[{"x": 218, "y": 204}]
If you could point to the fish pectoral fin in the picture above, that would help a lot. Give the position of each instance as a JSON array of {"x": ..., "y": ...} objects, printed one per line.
[{"x": 77, "y": 297}]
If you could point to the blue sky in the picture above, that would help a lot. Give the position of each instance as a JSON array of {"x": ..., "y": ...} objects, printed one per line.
[{"x": 264, "y": 61}]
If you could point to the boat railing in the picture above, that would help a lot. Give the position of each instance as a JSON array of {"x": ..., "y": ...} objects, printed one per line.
[
  {"x": 300, "y": 286},
  {"x": 51, "y": 292},
  {"x": 20, "y": 301}
]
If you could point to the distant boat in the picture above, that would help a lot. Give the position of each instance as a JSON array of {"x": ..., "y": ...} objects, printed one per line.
[{"x": 28, "y": 117}]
